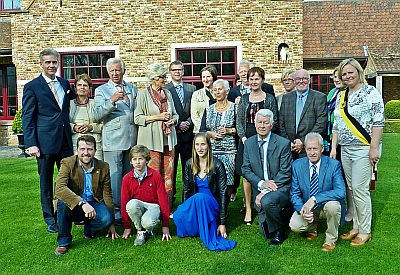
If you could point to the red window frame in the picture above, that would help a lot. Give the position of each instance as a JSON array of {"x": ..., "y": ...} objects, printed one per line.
[
  {"x": 192, "y": 66},
  {"x": 322, "y": 82},
  {"x": 80, "y": 66},
  {"x": 9, "y": 103},
  {"x": 15, "y": 5}
]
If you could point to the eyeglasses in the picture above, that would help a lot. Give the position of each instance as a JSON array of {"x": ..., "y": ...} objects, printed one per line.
[
  {"x": 302, "y": 79},
  {"x": 162, "y": 76},
  {"x": 176, "y": 70}
]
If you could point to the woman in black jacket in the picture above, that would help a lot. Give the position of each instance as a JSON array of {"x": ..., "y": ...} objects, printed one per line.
[{"x": 204, "y": 210}]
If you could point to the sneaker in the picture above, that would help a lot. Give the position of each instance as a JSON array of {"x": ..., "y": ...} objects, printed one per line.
[{"x": 140, "y": 238}]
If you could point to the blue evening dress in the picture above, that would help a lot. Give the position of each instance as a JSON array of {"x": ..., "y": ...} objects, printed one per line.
[{"x": 198, "y": 216}]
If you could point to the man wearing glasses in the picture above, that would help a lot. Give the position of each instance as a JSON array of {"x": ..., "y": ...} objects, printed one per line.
[
  {"x": 182, "y": 95},
  {"x": 114, "y": 105},
  {"x": 302, "y": 111}
]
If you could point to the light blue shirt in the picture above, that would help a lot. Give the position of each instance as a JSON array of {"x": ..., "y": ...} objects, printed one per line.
[
  {"x": 87, "y": 194},
  {"x": 140, "y": 178},
  {"x": 265, "y": 170}
]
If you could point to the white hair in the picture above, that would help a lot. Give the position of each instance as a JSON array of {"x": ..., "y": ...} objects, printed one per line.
[
  {"x": 266, "y": 113},
  {"x": 313, "y": 135},
  {"x": 113, "y": 60}
]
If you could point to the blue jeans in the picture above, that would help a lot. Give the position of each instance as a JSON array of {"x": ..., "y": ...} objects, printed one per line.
[{"x": 66, "y": 216}]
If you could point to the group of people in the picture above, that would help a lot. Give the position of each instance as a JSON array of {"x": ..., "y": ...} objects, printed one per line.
[{"x": 127, "y": 144}]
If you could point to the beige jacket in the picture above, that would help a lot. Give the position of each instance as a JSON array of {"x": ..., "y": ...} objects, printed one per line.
[
  {"x": 151, "y": 135},
  {"x": 199, "y": 103}
]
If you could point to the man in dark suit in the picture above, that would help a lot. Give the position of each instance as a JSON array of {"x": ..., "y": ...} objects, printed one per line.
[
  {"x": 182, "y": 95},
  {"x": 236, "y": 93},
  {"x": 45, "y": 122},
  {"x": 269, "y": 173},
  {"x": 84, "y": 193},
  {"x": 302, "y": 111},
  {"x": 318, "y": 191}
]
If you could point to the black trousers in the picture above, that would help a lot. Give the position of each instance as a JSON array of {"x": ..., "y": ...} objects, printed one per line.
[
  {"x": 273, "y": 212},
  {"x": 184, "y": 151},
  {"x": 46, "y": 172}
]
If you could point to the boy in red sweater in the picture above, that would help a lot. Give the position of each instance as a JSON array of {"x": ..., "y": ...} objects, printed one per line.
[{"x": 144, "y": 200}]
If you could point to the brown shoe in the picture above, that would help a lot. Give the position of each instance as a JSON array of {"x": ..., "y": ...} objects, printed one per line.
[
  {"x": 61, "y": 250},
  {"x": 311, "y": 236},
  {"x": 328, "y": 247},
  {"x": 358, "y": 241},
  {"x": 348, "y": 236}
]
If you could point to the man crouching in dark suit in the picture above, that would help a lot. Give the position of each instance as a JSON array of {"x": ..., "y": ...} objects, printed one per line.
[
  {"x": 45, "y": 122},
  {"x": 270, "y": 174},
  {"x": 84, "y": 193}
]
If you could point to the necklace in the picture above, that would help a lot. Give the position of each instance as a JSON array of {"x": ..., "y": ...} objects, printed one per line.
[
  {"x": 83, "y": 103},
  {"x": 223, "y": 107}
]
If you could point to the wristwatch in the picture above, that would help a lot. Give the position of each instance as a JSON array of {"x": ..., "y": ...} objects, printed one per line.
[{"x": 81, "y": 203}]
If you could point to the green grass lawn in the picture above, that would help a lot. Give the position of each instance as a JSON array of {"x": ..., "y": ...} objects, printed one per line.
[{"x": 27, "y": 248}]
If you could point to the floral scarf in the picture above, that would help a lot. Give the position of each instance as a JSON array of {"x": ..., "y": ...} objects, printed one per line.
[{"x": 160, "y": 99}]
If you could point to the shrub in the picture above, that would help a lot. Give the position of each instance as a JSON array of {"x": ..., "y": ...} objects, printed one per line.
[
  {"x": 392, "y": 126},
  {"x": 392, "y": 109},
  {"x": 17, "y": 123}
]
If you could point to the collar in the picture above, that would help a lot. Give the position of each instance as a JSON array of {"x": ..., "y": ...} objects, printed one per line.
[
  {"x": 177, "y": 83},
  {"x": 48, "y": 80},
  {"x": 123, "y": 83},
  {"x": 318, "y": 164},
  {"x": 136, "y": 175},
  {"x": 304, "y": 94},
  {"x": 266, "y": 138},
  {"x": 84, "y": 169}
]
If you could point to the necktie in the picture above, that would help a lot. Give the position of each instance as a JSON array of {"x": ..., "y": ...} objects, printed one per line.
[
  {"x": 261, "y": 149},
  {"x": 54, "y": 91},
  {"x": 314, "y": 181},
  {"x": 179, "y": 91},
  {"x": 299, "y": 109}
]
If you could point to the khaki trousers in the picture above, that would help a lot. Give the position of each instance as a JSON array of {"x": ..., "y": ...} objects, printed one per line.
[
  {"x": 331, "y": 211},
  {"x": 357, "y": 170},
  {"x": 144, "y": 215}
]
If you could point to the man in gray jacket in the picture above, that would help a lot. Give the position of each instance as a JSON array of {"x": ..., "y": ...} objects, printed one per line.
[{"x": 114, "y": 105}]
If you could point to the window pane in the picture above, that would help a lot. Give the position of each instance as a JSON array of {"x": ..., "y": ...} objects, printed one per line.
[
  {"x": 184, "y": 56},
  {"x": 228, "y": 55},
  {"x": 228, "y": 69},
  {"x": 94, "y": 60},
  {"x": 197, "y": 68},
  {"x": 105, "y": 73},
  {"x": 81, "y": 60},
  {"x": 105, "y": 57},
  {"x": 1, "y": 85},
  {"x": 199, "y": 56},
  {"x": 187, "y": 70},
  {"x": 1, "y": 111},
  {"x": 95, "y": 72},
  {"x": 10, "y": 71},
  {"x": 69, "y": 73},
  {"x": 218, "y": 66},
  {"x": 324, "y": 79},
  {"x": 198, "y": 85},
  {"x": 213, "y": 56},
  {"x": 68, "y": 60},
  {"x": 81, "y": 71},
  {"x": 12, "y": 111},
  {"x": 12, "y": 101},
  {"x": 12, "y": 85}
]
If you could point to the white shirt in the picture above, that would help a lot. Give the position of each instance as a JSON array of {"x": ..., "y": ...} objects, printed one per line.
[
  {"x": 57, "y": 85},
  {"x": 318, "y": 164},
  {"x": 265, "y": 170}
]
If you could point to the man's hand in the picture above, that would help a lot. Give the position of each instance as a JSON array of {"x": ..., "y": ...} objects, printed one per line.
[
  {"x": 117, "y": 96},
  {"x": 258, "y": 199},
  {"x": 298, "y": 145},
  {"x": 165, "y": 233},
  {"x": 308, "y": 206},
  {"x": 221, "y": 230},
  {"x": 111, "y": 232},
  {"x": 90, "y": 213},
  {"x": 184, "y": 126},
  {"x": 269, "y": 185},
  {"x": 34, "y": 151},
  {"x": 126, "y": 234},
  {"x": 308, "y": 217}
]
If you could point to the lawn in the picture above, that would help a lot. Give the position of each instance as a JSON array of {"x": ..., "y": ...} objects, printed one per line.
[{"x": 26, "y": 247}]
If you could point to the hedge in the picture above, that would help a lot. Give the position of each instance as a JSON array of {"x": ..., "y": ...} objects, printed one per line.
[
  {"x": 392, "y": 109},
  {"x": 392, "y": 126}
]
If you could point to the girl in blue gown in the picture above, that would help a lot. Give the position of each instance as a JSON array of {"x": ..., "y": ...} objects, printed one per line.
[{"x": 204, "y": 210}]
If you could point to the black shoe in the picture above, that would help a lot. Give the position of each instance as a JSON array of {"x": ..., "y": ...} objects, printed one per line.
[
  {"x": 52, "y": 228},
  {"x": 243, "y": 210},
  {"x": 278, "y": 238}
]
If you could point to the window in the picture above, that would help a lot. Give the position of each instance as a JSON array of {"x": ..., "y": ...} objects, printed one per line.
[
  {"x": 195, "y": 59},
  {"x": 8, "y": 92},
  {"x": 10, "y": 5},
  {"x": 322, "y": 83},
  {"x": 91, "y": 63}
]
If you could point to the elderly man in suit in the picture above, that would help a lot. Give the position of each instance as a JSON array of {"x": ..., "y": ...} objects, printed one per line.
[
  {"x": 244, "y": 88},
  {"x": 114, "y": 105},
  {"x": 269, "y": 173},
  {"x": 45, "y": 122},
  {"x": 84, "y": 192},
  {"x": 318, "y": 190},
  {"x": 302, "y": 111},
  {"x": 182, "y": 95}
]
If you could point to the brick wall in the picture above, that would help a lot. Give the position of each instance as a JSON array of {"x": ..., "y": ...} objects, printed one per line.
[
  {"x": 145, "y": 30},
  {"x": 5, "y": 31}
]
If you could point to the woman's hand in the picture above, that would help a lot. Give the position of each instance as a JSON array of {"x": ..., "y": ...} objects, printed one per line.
[
  {"x": 221, "y": 230},
  {"x": 216, "y": 136},
  {"x": 165, "y": 116},
  {"x": 373, "y": 155},
  {"x": 333, "y": 153}
]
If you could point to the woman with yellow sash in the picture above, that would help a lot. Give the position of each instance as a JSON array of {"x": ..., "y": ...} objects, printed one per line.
[{"x": 358, "y": 127}]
